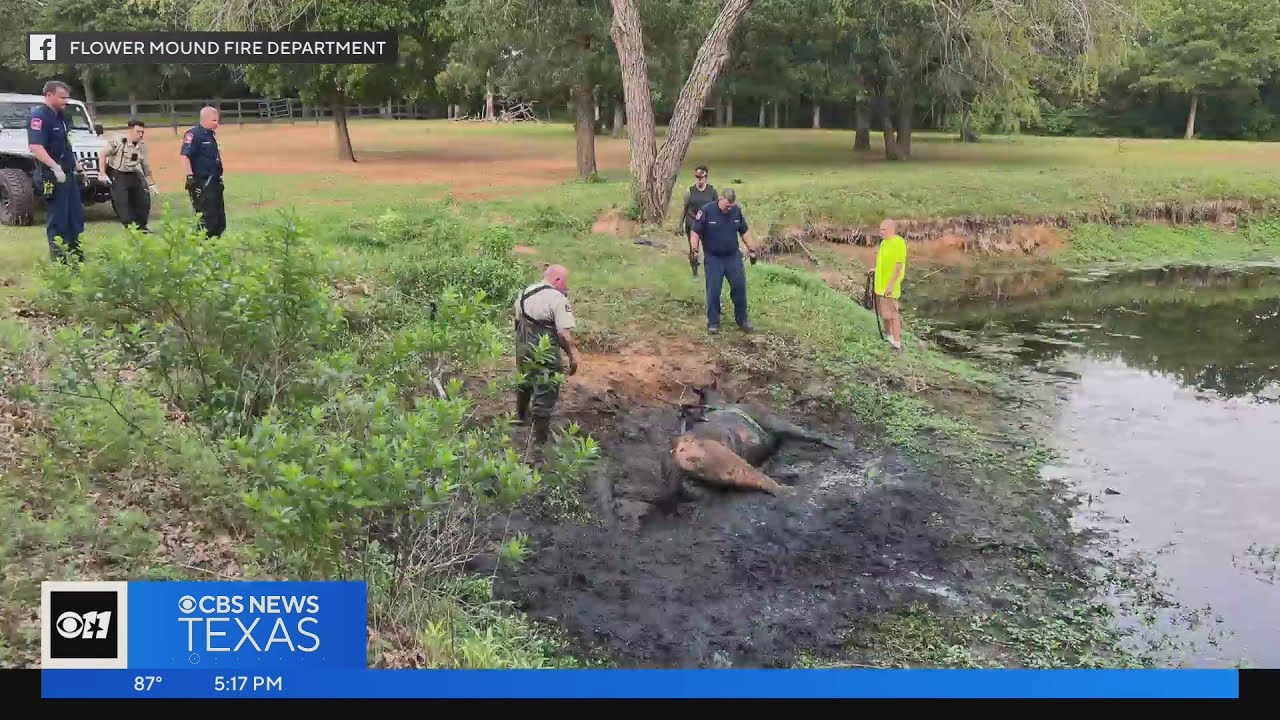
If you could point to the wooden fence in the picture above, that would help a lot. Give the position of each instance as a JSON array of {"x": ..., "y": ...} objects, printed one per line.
[{"x": 181, "y": 114}]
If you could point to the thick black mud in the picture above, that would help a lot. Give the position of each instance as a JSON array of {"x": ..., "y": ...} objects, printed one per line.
[{"x": 746, "y": 579}]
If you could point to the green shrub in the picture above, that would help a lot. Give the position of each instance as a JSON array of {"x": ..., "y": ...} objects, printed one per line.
[
  {"x": 361, "y": 471},
  {"x": 548, "y": 218},
  {"x": 226, "y": 325},
  {"x": 424, "y": 278}
]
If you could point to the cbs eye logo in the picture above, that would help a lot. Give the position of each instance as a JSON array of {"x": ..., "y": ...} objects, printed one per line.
[
  {"x": 92, "y": 625},
  {"x": 187, "y": 604},
  {"x": 83, "y": 625}
]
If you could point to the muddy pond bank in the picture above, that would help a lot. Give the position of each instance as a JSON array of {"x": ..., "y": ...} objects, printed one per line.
[
  {"x": 1166, "y": 386},
  {"x": 742, "y": 579}
]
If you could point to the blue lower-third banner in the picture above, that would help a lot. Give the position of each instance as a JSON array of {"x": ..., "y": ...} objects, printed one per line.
[
  {"x": 215, "y": 625},
  {"x": 377, "y": 684}
]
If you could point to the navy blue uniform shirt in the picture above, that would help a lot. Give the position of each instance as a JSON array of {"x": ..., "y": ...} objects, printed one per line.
[
  {"x": 720, "y": 230},
  {"x": 201, "y": 146},
  {"x": 48, "y": 128}
]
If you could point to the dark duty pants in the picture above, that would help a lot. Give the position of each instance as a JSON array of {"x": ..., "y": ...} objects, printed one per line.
[
  {"x": 538, "y": 394},
  {"x": 64, "y": 218},
  {"x": 717, "y": 270},
  {"x": 208, "y": 204},
  {"x": 130, "y": 197}
]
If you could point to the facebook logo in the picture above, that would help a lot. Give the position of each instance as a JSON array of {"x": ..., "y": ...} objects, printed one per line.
[{"x": 42, "y": 48}]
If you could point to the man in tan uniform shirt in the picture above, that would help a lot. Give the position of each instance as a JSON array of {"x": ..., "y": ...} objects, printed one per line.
[
  {"x": 124, "y": 163},
  {"x": 542, "y": 309}
]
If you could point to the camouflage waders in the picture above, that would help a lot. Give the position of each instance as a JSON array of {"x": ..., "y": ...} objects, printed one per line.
[{"x": 539, "y": 388}]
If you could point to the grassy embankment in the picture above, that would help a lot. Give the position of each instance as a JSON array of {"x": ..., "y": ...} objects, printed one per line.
[{"x": 89, "y": 493}]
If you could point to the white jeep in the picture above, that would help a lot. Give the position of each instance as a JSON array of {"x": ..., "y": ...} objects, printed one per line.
[{"x": 18, "y": 199}]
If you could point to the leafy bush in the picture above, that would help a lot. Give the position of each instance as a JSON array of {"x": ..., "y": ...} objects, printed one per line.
[
  {"x": 360, "y": 469},
  {"x": 424, "y": 278},
  {"x": 425, "y": 352},
  {"x": 225, "y": 324},
  {"x": 548, "y": 218}
]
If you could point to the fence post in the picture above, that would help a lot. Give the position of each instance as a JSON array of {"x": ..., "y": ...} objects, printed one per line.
[
  {"x": 239, "y": 113},
  {"x": 173, "y": 116},
  {"x": 290, "y": 102}
]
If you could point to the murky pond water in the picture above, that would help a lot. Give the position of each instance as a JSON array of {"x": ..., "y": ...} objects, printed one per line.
[{"x": 1168, "y": 416}]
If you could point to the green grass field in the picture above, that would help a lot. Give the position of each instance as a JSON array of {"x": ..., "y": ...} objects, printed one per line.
[
  {"x": 783, "y": 177},
  {"x": 438, "y": 193}
]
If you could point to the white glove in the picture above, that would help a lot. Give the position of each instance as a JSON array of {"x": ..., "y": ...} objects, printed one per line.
[
  {"x": 105, "y": 178},
  {"x": 152, "y": 189},
  {"x": 59, "y": 174}
]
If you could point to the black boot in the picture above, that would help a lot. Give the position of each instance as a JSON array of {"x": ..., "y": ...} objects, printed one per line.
[
  {"x": 541, "y": 430},
  {"x": 522, "y": 406}
]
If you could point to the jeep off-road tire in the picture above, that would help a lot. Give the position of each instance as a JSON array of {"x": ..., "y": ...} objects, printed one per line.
[{"x": 17, "y": 198}]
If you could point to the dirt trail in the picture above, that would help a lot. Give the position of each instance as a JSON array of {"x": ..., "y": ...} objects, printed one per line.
[
  {"x": 739, "y": 578},
  {"x": 472, "y": 170},
  {"x": 1008, "y": 233}
]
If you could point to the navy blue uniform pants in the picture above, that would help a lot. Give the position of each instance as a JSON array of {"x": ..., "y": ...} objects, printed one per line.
[
  {"x": 64, "y": 218},
  {"x": 718, "y": 269}
]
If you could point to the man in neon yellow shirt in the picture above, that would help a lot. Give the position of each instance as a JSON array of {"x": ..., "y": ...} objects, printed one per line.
[{"x": 891, "y": 267}]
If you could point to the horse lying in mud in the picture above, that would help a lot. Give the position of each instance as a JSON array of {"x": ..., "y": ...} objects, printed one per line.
[{"x": 723, "y": 444}]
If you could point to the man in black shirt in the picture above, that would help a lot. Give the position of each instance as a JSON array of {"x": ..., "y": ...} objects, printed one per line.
[{"x": 699, "y": 195}]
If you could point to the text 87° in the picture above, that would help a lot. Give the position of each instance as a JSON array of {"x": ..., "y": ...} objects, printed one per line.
[
  {"x": 240, "y": 683},
  {"x": 144, "y": 683}
]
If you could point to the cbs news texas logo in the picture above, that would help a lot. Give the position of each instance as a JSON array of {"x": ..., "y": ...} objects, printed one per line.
[{"x": 84, "y": 625}]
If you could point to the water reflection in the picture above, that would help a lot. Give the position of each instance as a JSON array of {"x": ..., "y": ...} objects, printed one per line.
[
  {"x": 1215, "y": 330},
  {"x": 1168, "y": 419}
]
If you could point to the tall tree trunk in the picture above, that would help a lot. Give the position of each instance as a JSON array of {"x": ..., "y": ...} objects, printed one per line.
[
  {"x": 905, "y": 111},
  {"x": 777, "y": 114},
  {"x": 966, "y": 127},
  {"x": 719, "y": 112},
  {"x": 728, "y": 111},
  {"x": 817, "y": 116},
  {"x": 338, "y": 102},
  {"x": 584, "y": 126},
  {"x": 653, "y": 172},
  {"x": 133, "y": 103},
  {"x": 886, "y": 126},
  {"x": 861, "y": 127},
  {"x": 619, "y": 117},
  {"x": 1191, "y": 118},
  {"x": 762, "y": 109},
  {"x": 90, "y": 97},
  {"x": 488, "y": 103}
]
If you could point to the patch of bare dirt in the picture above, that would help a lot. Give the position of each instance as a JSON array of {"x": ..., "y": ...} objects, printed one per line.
[
  {"x": 615, "y": 222},
  {"x": 417, "y": 154},
  {"x": 951, "y": 240},
  {"x": 639, "y": 375}
]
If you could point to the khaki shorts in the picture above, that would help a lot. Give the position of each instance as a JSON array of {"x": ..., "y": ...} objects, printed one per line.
[{"x": 888, "y": 307}]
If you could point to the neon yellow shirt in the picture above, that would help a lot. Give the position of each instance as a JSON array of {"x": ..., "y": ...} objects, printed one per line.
[{"x": 893, "y": 250}]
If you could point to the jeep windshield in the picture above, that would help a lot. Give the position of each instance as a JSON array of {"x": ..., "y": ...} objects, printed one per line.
[{"x": 13, "y": 115}]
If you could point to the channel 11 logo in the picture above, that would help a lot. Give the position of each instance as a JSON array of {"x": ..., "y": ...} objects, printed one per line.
[{"x": 83, "y": 625}]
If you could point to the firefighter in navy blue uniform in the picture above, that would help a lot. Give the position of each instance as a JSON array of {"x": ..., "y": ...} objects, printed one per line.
[
  {"x": 717, "y": 226},
  {"x": 55, "y": 174},
  {"x": 203, "y": 163}
]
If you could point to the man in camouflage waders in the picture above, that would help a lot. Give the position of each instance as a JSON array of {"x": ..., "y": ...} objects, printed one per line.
[{"x": 542, "y": 309}]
